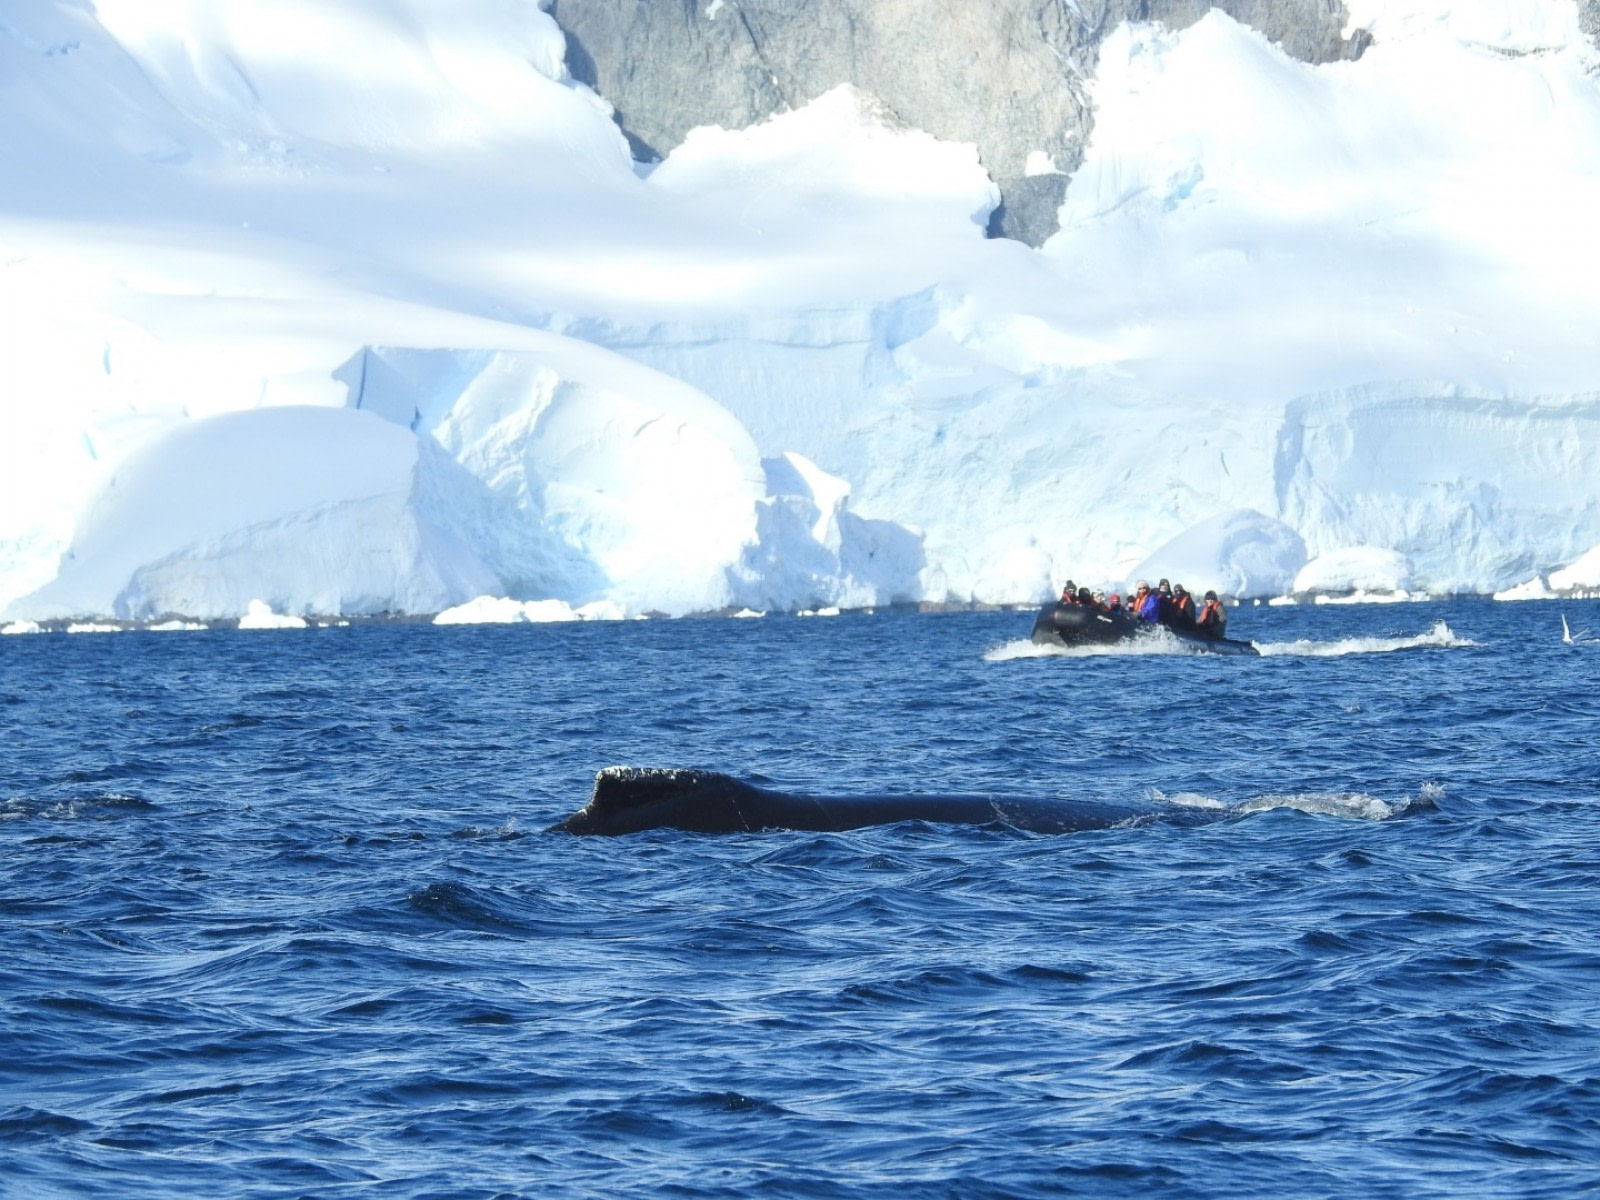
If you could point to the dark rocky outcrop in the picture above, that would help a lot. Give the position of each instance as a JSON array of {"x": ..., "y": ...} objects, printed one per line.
[{"x": 1008, "y": 75}]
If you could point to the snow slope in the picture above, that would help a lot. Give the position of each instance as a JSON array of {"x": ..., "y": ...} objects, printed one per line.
[{"x": 362, "y": 307}]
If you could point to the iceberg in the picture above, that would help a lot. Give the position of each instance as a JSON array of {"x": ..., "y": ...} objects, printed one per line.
[
  {"x": 1530, "y": 589},
  {"x": 1580, "y": 576},
  {"x": 1241, "y": 554},
  {"x": 259, "y": 615},
  {"x": 305, "y": 510},
  {"x": 1355, "y": 569},
  {"x": 501, "y": 610},
  {"x": 609, "y": 480}
]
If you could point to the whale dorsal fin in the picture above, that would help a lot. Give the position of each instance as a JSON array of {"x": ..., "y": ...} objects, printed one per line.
[{"x": 627, "y": 799}]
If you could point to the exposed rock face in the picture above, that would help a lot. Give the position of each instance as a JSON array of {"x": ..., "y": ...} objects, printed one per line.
[
  {"x": 1007, "y": 75},
  {"x": 1589, "y": 18}
]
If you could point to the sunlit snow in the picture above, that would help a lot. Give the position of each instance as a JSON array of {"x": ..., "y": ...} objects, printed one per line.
[{"x": 363, "y": 308}]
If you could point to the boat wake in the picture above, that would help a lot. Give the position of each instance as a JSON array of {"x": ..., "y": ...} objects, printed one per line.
[
  {"x": 1440, "y": 637},
  {"x": 1157, "y": 642}
]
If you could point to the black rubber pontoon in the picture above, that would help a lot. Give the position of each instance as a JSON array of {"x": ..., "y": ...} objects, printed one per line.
[{"x": 1077, "y": 625}]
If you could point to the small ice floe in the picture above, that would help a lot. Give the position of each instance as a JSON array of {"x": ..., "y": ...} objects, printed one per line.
[
  {"x": 1533, "y": 589},
  {"x": 1578, "y": 580},
  {"x": 259, "y": 615},
  {"x": 1399, "y": 596},
  {"x": 501, "y": 610}
]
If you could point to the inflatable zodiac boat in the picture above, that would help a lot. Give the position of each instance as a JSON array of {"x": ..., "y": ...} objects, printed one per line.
[{"x": 1079, "y": 625}]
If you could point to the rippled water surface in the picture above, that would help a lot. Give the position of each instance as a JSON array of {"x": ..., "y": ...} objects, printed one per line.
[{"x": 278, "y": 917}]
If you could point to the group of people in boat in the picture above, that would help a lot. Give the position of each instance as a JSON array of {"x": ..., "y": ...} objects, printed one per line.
[{"x": 1165, "y": 604}]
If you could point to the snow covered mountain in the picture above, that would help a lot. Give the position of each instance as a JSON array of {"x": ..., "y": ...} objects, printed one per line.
[
  {"x": 1009, "y": 76},
  {"x": 365, "y": 306}
]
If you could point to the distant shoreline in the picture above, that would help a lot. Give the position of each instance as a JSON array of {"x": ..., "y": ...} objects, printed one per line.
[{"x": 170, "y": 623}]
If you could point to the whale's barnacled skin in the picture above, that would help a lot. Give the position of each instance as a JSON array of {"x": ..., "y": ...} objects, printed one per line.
[{"x": 629, "y": 799}]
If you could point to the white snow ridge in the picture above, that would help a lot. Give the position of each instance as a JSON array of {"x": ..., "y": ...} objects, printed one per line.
[{"x": 314, "y": 310}]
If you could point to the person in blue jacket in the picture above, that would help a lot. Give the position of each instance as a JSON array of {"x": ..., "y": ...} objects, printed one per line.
[{"x": 1146, "y": 604}]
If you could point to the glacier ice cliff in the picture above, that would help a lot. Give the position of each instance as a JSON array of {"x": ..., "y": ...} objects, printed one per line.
[{"x": 369, "y": 308}]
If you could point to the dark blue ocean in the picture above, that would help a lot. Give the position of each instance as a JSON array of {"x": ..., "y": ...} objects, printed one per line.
[{"x": 278, "y": 917}]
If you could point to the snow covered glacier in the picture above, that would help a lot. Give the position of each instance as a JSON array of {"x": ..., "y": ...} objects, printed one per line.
[{"x": 364, "y": 307}]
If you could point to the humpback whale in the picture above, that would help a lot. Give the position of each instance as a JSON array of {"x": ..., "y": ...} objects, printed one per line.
[{"x": 630, "y": 799}]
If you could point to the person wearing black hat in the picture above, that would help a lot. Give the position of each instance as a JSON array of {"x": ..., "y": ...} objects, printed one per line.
[
  {"x": 1182, "y": 607},
  {"x": 1213, "y": 618}
]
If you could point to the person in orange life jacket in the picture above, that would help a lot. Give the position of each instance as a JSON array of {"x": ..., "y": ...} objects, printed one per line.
[
  {"x": 1146, "y": 604},
  {"x": 1069, "y": 594},
  {"x": 1085, "y": 600},
  {"x": 1213, "y": 617},
  {"x": 1182, "y": 607}
]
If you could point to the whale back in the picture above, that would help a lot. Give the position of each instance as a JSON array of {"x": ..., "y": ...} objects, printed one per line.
[{"x": 631, "y": 799}]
